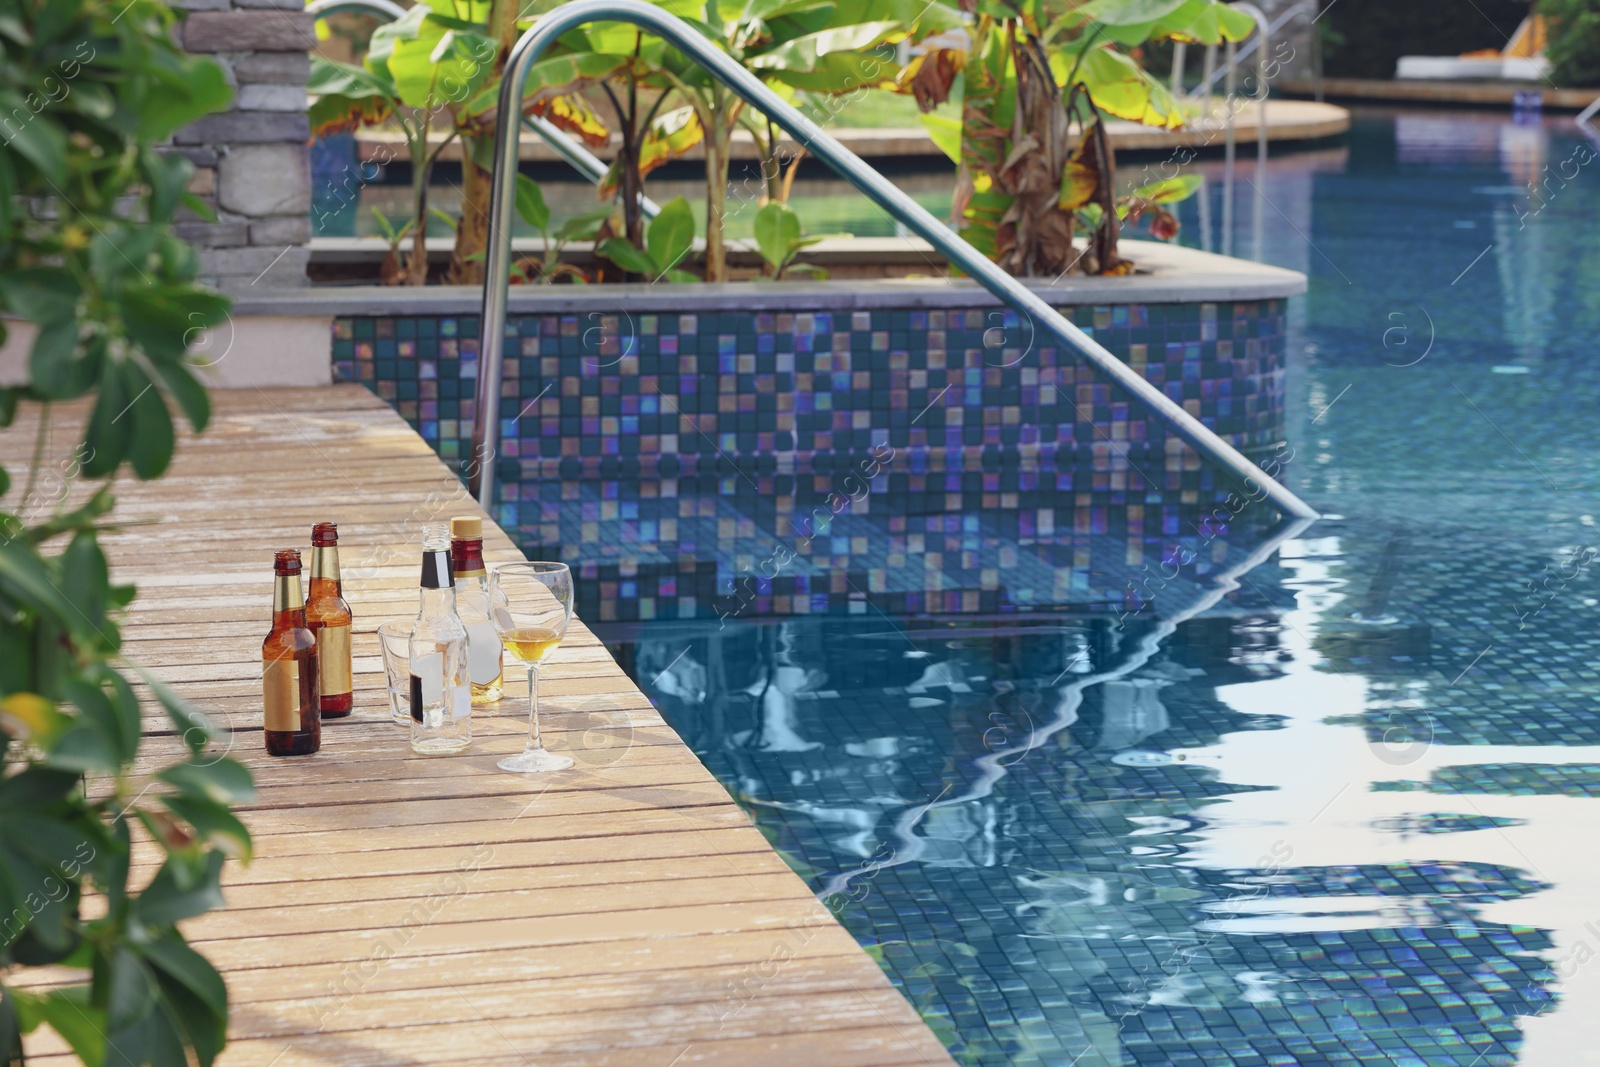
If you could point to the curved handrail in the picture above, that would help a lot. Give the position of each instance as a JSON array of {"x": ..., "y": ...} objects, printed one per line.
[
  {"x": 1304, "y": 10},
  {"x": 694, "y": 46},
  {"x": 586, "y": 162}
]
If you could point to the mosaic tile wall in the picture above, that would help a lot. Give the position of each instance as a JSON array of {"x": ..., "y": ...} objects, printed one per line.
[{"x": 674, "y": 457}]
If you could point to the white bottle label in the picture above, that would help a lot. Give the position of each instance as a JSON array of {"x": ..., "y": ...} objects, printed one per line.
[
  {"x": 483, "y": 652},
  {"x": 460, "y": 702}
]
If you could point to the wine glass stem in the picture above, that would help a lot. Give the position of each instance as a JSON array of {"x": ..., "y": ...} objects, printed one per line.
[{"x": 535, "y": 741}]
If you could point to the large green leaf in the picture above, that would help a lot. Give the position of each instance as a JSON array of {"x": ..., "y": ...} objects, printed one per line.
[
  {"x": 1206, "y": 22},
  {"x": 671, "y": 235},
  {"x": 1127, "y": 12},
  {"x": 223, "y": 781},
  {"x": 199, "y": 88},
  {"x": 184, "y": 388},
  {"x": 777, "y": 230},
  {"x": 152, "y": 441},
  {"x": 164, "y": 320},
  {"x": 41, "y": 294},
  {"x": 530, "y": 203},
  {"x": 431, "y": 59},
  {"x": 621, "y": 251},
  {"x": 553, "y": 76},
  {"x": 346, "y": 97},
  {"x": 165, "y": 901},
  {"x": 1169, "y": 190},
  {"x": 69, "y": 1013},
  {"x": 192, "y": 725},
  {"x": 945, "y": 131},
  {"x": 840, "y": 72},
  {"x": 582, "y": 227},
  {"x": 803, "y": 53},
  {"x": 85, "y": 578},
  {"x": 213, "y": 824},
  {"x": 35, "y": 137},
  {"x": 1121, "y": 87},
  {"x": 171, "y": 956}
]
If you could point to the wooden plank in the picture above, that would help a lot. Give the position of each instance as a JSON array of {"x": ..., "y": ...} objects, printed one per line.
[{"x": 406, "y": 909}]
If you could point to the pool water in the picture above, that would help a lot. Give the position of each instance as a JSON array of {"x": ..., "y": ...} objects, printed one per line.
[{"x": 1333, "y": 801}]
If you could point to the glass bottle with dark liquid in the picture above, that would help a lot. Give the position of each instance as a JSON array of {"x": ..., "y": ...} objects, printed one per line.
[
  {"x": 291, "y": 697},
  {"x": 328, "y": 618}
]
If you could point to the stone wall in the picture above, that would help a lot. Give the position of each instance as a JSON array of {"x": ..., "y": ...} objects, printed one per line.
[{"x": 252, "y": 162}]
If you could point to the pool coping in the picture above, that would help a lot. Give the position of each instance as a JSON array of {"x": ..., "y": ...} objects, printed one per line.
[{"x": 1170, "y": 274}]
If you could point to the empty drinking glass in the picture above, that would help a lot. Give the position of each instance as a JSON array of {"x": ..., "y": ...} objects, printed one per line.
[{"x": 395, "y": 639}]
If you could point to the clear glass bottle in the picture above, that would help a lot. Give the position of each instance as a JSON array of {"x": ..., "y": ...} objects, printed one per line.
[
  {"x": 328, "y": 617},
  {"x": 441, "y": 702},
  {"x": 292, "y": 722},
  {"x": 485, "y": 655}
]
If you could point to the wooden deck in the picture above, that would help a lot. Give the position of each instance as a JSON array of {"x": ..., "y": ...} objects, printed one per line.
[{"x": 410, "y": 910}]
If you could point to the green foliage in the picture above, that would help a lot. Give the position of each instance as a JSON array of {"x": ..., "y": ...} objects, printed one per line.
[
  {"x": 1574, "y": 48},
  {"x": 533, "y": 210},
  {"x": 780, "y": 238},
  {"x": 88, "y": 257},
  {"x": 668, "y": 242},
  {"x": 1004, "y": 109}
]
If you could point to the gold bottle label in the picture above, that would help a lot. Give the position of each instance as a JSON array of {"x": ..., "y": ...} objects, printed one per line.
[
  {"x": 325, "y": 562},
  {"x": 281, "y": 685},
  {"x": 333, "y": 660}
]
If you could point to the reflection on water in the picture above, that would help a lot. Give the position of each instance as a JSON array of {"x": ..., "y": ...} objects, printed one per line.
[{"x": 1325, "y": 803}]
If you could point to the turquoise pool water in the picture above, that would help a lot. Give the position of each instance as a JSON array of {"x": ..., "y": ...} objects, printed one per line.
[{"x": 1333, "y": 806}]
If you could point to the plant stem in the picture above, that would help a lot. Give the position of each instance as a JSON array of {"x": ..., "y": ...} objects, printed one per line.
[{"x": 41, "y": 441}]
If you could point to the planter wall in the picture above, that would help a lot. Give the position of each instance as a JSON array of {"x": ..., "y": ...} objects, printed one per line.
[{"x": 929, "y": 459}]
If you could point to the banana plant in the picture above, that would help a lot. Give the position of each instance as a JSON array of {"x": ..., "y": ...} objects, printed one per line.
[
  {"x": 417, "y": 73},
  {"x": 815, "y": 46},
  {"x": 533, "y": 210},
  {"x": 667, "y": 243},
  {"x": 437, "y": 68},
  {"x": 780, "y": 239},
  {"x": 1004, "y": 109}
]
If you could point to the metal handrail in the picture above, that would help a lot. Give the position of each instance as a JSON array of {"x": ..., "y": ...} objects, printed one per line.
[
  {"x": 1305, "y": 10},
  {"x": 586, "y": 162},
  {"x": 693, "y": 45},
  {"x": 1583, "y": 120}
]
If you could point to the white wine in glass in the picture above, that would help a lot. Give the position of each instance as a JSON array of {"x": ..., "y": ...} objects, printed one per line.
[{"x": 532, "y": 605}]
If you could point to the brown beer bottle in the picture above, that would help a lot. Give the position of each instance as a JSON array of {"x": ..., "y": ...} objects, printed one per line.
[
  {"x": 293, "y": 721},
  {"x": 328, "y": 618}
]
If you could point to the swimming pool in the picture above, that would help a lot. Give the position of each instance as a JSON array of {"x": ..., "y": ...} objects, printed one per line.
[{"x": 1241, "y": 823}]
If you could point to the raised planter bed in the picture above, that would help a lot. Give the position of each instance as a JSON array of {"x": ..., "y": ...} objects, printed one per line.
[{"x": 894, "y": 436}]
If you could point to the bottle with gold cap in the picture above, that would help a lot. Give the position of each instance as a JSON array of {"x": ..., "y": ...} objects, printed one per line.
[
  {"x": 290, "y": 693},
  {"x": 484, "y": 651},
  {"x": 328, "y": 618}
]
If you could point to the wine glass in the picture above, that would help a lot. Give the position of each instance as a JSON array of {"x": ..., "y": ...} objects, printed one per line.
[{"x": 532, "y": 606}]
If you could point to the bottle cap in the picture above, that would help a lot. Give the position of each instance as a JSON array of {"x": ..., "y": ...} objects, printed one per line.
[
  {"x": 287, "y": 561},
  {"x": 466, "y": 528},
  {"x": 324, "y": 534}
]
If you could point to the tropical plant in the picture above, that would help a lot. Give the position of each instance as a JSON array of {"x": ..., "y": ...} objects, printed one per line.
[
  {"x": 421, "y": 72},
  {"x": 437, "y": 68},
  {"x": 548, "y": 267},
  {"x": 814, "y": 46},
  {"x": 1005, "y": 107},
  {"x": 89, "y": 259},
  {"x": 1574, "y": 48},
  {"x": 780, "y": 239},
  {"x": 668, "y": 241}
]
